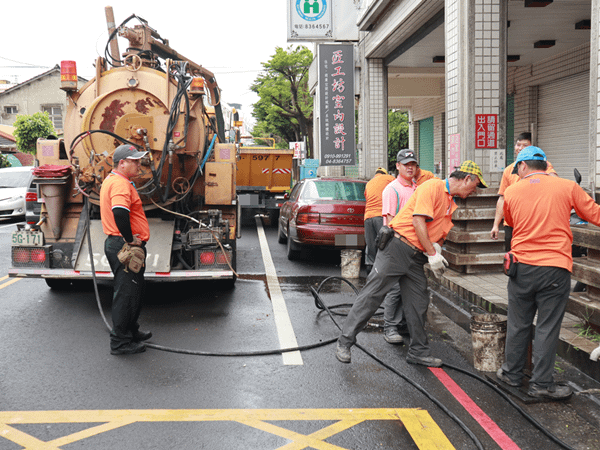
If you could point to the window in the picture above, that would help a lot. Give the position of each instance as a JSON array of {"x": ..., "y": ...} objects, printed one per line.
[
  {"x": 11, "y": 109},
  {"x": 55, "y": 113}
]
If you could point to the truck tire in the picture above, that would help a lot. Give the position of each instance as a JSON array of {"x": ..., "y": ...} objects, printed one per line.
[
  {"x": 59, "y": 285},
  {"x": 293, "y": 249},
  {"x": 281, "y": 238}
]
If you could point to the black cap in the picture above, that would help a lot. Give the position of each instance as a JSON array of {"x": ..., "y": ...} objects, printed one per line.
[
  {"x": 126, "y": 152},
  {"x": 405, "y": 156}
]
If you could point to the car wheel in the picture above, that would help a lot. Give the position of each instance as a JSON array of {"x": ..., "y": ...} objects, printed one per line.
[
  {"x": 293, "y": 249},
  {"x": 281, "y": 238}
]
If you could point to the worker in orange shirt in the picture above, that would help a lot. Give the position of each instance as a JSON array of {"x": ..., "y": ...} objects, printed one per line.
[
  {"x": 373, "y": 218},
  {"x": 124, "y": 221},
  {"x": 539, "y": 209},
  {"x": 422, "y": 175},
  {"x": 417, "y": 232},
  {"x": 508, "y": 179}
]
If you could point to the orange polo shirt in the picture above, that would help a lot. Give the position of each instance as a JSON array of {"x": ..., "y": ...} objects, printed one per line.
[
  {"x": 373, "y": 194},
  {"x": 539, "y": 208},
  {"x": 424, "y": 175},
  {"x": 432, "y": 200},
  {"x": 118, "y": 191},
  {"x": 508, "y": 178}
]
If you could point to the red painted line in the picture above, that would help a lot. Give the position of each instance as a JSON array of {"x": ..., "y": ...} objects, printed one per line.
[{"x": 482, "y": 418}]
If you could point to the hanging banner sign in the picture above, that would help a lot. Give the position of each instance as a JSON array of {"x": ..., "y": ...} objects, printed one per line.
[
  {"x": 453, "y": 152},
  {"x": 486, "y": 130},
  {"x": 310, "y": 20},
  {"x": 299, "y": 150},
  {"x": 336, "y": 88}
]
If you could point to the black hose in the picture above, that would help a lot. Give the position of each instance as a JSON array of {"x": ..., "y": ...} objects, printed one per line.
[
  {"x": 513, "y": 404},
  {"x": 320, "y": 305},
  {"x": 404, "y": 377}
]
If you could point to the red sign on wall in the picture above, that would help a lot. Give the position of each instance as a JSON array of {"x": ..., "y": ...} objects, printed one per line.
[{"x": 486, "y": 130}]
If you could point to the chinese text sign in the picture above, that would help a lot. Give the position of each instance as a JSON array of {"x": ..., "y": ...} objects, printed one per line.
[
  {"x": 486, "y": 130},
  {"x": 336, "y": 89}
]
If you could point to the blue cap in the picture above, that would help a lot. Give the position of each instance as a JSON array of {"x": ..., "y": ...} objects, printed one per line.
[{"x": 530, "y": 153}]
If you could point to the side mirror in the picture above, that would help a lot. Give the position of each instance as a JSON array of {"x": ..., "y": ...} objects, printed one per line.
[{"x": 577, "y": 176}]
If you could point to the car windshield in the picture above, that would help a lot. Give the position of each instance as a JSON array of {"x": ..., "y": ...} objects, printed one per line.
[
  {"x": 14, "y": 179},
  {"x": 334, "y": 190}
]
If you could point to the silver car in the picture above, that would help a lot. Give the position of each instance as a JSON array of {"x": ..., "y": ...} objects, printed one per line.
[{"x": 14, "y": 183}]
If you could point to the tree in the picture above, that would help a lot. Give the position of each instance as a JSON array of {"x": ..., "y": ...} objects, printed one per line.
[
  {"x": 397, "y": 135},
  {"x": 4, "y": 161},
  {"x": 29, "y": 128},
  {"x": 285, "y": 107}
]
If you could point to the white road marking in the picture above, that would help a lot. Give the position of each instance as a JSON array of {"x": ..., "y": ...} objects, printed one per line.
[{"x": 287, "y": 338}]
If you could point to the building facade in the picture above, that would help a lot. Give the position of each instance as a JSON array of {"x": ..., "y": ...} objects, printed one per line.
[{"x": 473, "y": 74}]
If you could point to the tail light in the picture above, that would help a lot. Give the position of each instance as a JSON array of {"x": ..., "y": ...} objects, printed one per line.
[
  {"x": 37, "y": 257},
  {"x": 214, "y": 258},
  {"x": 304, "y": 218},
  {"x": 221, "y": 258},
  {"x": 31, "y": 197},
  {"x": 207, "y": 258}
]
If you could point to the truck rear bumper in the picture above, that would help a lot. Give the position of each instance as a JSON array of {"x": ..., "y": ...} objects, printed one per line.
[{"x": 68, "y": 274}]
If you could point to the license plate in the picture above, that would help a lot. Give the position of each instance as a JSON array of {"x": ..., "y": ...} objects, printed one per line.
[{"x": 28, "y": 238}]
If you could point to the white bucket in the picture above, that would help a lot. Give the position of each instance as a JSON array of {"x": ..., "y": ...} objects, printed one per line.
[
  {"x": 351, "y": 263},
  {"x": 488, "y": 332}
]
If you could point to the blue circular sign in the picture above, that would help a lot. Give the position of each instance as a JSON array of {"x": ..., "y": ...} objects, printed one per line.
[{"x": 311, "y": 10}]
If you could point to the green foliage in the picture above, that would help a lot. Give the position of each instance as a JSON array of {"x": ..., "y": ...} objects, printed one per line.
[
  {"x": 29, "y": 128},
  {"x": 285, "y": 106},
  {"x": 4, "y": 161},
  {"x": 397, "y": 135}
]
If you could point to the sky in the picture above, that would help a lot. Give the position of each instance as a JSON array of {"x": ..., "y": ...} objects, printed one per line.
[{"x": 231, "y": 38}]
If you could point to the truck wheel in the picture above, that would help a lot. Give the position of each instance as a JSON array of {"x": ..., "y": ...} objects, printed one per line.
[
  {"x": 293, "y": 249},
  {"x": 58, "y": 284},
  {"x": 280, "y": 235}
]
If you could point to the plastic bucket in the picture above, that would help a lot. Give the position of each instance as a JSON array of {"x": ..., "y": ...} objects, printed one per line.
[
  {"x": 351, "y": 263},
  {"x": 488, "y": 332}
]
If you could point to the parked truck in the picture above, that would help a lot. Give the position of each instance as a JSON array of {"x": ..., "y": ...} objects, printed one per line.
[
  {"x": 162, "y": 102},
  {"x": 264, "y": 174}
]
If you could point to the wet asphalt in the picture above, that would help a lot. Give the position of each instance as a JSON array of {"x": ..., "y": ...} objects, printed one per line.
[{"x": 55, "y": 357}]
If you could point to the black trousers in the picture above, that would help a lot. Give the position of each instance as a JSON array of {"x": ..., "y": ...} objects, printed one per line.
[
  {"x": 127, "y": 298},
  {"x": 535, "y": 289},
  {"x": 508, "y": 231}
]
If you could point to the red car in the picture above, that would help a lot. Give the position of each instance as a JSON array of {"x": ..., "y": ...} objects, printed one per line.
[{"x": 324, "y": 212}]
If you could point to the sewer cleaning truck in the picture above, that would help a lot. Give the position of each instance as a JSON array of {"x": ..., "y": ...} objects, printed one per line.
[{"x": 161, "y": 102}]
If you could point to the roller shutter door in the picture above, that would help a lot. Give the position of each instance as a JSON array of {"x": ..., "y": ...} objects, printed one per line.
[
  {"x": 426, "y": 144},
  {"x": 563, "y": 124}
]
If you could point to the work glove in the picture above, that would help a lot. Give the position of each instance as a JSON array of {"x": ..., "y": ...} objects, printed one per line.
[{"x": 437, "y": 263}]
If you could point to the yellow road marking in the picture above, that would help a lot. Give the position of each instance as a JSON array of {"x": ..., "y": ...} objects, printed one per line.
[
  {"x": 285, "y": 331},
  {"x": 424, "y": 431},
  {"x": 4, "y": 278},
  {"x": 8, "y": 283}
]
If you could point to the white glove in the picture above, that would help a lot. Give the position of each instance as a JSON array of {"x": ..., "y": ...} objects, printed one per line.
[
  {"x": 437, "y": 247},
  {"x": 437, "y": 263}
]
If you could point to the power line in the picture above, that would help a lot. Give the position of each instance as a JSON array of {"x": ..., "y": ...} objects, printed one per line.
[{"x": 20, "y": 62}]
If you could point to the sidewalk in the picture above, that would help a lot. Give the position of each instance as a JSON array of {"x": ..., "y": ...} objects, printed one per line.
[{"x": 460, "y": 295}]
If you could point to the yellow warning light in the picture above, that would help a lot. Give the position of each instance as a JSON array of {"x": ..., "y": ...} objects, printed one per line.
[{"x": 197, "y": 86}]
